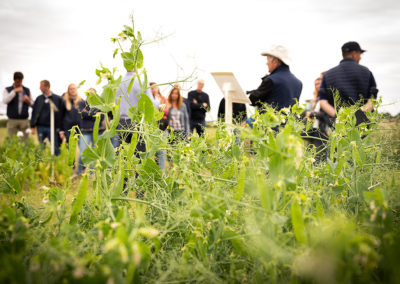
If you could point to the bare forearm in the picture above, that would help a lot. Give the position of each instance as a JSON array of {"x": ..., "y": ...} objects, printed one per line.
[
  {"x": 368, "y": 106},
  {"x": 327, "y": 108}
]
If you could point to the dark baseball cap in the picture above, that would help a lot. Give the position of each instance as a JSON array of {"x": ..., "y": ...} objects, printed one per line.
[{"x": 352, "y": 46}]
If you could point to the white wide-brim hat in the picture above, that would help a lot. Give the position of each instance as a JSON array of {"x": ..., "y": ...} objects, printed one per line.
[{"x": 279, "y": 52}]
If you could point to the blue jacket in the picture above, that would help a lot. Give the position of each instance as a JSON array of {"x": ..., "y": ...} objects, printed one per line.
[
  {"x": 280, "y": 89},
  {"x": 353, "y": 81}
]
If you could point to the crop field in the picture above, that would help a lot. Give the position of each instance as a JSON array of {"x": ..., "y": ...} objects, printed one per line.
[{"x": 245, "y": 206}]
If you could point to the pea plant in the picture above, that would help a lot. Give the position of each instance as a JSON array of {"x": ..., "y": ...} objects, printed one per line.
[{"x": 256, "y": 209}]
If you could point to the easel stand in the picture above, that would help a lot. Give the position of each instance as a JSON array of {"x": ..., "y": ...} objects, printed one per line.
[{"x": 53, "y": 108}]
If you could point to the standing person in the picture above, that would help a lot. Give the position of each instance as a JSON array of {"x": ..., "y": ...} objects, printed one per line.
[
  {"x": 129, "y": 100},
  {"x": 18, "y": 100},
  {"x": 162, "y": 102},
  {"x": 319, "y": 133},
  {"x": 239, "y": 112},
  {"x": 72, "y": 115},
  {"x": 41, "y": 115},
  {"x": 178, "y": 118},
  {"x": 185, "y": 101},
  {"x": 279, "y": 89},
  {"x": 87, "y": 122},
  {"x": 163, "y": 122},
  {"x": 199, "y": 105},
  {"x": 354, "y": 82}
]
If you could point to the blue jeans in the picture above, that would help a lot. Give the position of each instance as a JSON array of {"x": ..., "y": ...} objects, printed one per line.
[
  {"x": 250, "y": 121},
  {"x": 88, "y": 136},
  {"x": 160, "y": 155},
  {"x": 43, "y": 132},
  {"x": 200, "y": 126}
]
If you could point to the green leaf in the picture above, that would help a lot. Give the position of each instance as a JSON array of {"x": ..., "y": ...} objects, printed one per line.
[
  {"x": 146, "y": 106},
  {"x": 236, "y": 241},
  {"x": 298, "y": 223},
  {"x": 79, "y": 200},
  {"x": 129, "y": 61},
  {"x": 108, "y": 95},
  {"x": 90, "y": 156}
]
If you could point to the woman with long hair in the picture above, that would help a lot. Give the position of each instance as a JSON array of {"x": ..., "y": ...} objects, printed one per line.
[
  {"x": 178, "y": 119},
  {"x": 72, "y": 115}
]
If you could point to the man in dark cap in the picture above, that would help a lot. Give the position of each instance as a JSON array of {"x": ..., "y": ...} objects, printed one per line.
[{"x": 354, "y": 82}]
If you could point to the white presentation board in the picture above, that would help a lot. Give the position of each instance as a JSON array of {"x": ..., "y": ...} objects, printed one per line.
[
  {"x": 228, "y": 84},
  {"x": 232, "y": 91}
]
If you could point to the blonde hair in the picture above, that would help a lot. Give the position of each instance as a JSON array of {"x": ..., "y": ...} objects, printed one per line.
[{"x": 68, "y": 101}]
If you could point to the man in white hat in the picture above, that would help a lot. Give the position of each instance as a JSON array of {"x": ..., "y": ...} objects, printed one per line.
[{"x": 279, "y": 89}]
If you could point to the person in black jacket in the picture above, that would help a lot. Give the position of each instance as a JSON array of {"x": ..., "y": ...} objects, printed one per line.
[
  {"x": 199, "y": 105},
  {"x": 87, "y": 121},
  {"x": 18, "y": 100},
  {"x": 280, "y": 89},
  {"x": 41, "y": 115},
  {"x": 72, "y": 115},
  {"x": 239, "y": 112}
]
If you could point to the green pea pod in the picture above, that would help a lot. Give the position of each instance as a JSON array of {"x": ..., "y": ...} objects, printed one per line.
[
  {"x": 298, "y": 223},
  {"x": 96, "y": 128},
  {"x": 79, "y": 200}
]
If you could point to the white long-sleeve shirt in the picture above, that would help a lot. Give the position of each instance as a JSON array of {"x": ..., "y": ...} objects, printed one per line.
[{"x": 9, "y": 96}]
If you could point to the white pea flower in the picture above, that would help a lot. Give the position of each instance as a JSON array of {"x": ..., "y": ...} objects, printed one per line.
[{"x": 20, "y": 134}]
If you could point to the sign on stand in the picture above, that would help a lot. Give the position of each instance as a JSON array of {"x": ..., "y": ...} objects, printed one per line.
[{"x": 232, "y": 91}]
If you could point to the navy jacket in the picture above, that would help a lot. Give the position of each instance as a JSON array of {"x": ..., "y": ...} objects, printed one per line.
[
  {"x": 87, "y": 118},
  {"x": 41, "y": 111},
  {"x": 280, "y": 89},
  {"x": 12, "y": 107},
  {"x": 353, "y": 81}
]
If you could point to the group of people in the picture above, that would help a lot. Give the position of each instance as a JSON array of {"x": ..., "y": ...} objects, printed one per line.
[
  {"x": 182, "y": 115},
  {"x": 351, "y": 82}
]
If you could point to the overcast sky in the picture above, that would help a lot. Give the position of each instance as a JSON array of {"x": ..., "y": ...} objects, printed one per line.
[{"x": 64, "y": 41}]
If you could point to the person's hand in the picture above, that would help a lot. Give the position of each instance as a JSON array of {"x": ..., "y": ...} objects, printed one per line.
[
  {"x": 33, "y": 130},
  {"x": 18, "y": 90},
  {"x": 62, "y": 135},
  {"x": 205, "y": 105},
  {"x": 195, "y": 101},
  {"x": 27, "y": 100}
]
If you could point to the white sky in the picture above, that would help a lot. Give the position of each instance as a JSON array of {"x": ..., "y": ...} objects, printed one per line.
[{"x": 64, "y": 41}]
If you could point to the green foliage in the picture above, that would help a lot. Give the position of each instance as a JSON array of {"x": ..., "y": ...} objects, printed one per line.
[{"x": 223, "y": 211}]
